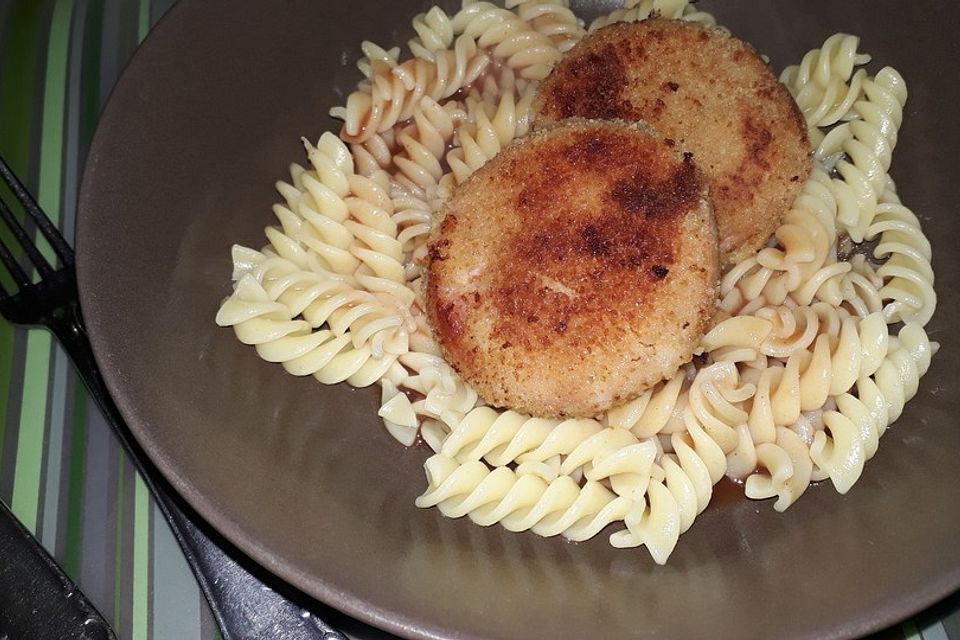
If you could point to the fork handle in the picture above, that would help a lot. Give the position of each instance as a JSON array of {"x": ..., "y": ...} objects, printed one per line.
[{"x": 243, "y": 605}]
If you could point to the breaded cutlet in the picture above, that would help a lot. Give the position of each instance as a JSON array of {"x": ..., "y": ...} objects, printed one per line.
[
  {"x": 709, "y": 93},
  {"x": 574, "y": 270}
]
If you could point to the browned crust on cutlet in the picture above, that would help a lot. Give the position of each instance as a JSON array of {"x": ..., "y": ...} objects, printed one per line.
[
  {"x": 574, "y": 270},
  {"x": 709, "y": 93}
]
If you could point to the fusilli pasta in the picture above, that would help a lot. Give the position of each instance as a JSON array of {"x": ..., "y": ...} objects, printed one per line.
[{"x": 795, "y": 383}]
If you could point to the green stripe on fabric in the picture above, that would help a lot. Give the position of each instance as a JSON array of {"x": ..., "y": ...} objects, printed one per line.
[
  {"x": 143, "y": 20},
  {"x": 72, "y": 154},
  {"x": 90, "y": 97},
  {"x": 33, "y": 411},
  {"x": 118, "y": 547},
  {"x": 910, "y": 631},
  {"x": 19, "y": 50},
  {"x": 78, "y": 451},
  {"x": 141, "y": 558},
  {"x": 20, "y": 45},
  {"x": 177, "y": 599},
  {"x": 6, "y": 367},
  {"x": 53, "y": 456},
  {"x": 26, "y": 483},
  {"x": 54, "y": 100}
]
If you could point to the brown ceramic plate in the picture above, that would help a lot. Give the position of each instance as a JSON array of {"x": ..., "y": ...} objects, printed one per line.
[{"x": 303, "y": 478}]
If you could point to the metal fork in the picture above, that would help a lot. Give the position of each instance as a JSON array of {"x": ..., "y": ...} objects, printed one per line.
[{"x": 245, "y": 605}]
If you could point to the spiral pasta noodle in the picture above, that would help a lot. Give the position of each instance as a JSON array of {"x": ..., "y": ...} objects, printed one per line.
[
  {"x": 520, "y": 502},
  {"x": 487, "y": 133},
  {"x": 860, "y": 152},
  {"x": 434, "y": 33},
  {"x": 636, "y": 10},
  {"x": 655, "y": 410},
  {"x": 394, "y": 92},
  {"x": 803, "y": 266},
  {"x": 664, "y": 491},
  {"x": 329, "y": 356},
  {"x": 906, "y": 273},
  {"x": 417, "y": 149},
  {"x": 825, "y": 83},
  {"x": 553, "y": 19},
  {"x": 679, "y": 490},
  {"x": 509, "y": 38},
  {"x": 788, "y": 470}
]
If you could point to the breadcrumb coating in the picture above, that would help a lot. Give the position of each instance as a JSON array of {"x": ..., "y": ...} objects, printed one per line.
[
  {"x": 705, "y": 91},
  {"x": 575, "y": 269}
]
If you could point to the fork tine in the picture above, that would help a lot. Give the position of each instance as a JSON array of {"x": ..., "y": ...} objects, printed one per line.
[
  {"x": 10, "y": 262},
  {"x": 50, "y": 232},
  {"x": 24, "y": 239}
]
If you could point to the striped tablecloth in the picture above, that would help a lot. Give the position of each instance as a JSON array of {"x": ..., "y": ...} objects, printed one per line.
[{"x": 61, "y": 471}]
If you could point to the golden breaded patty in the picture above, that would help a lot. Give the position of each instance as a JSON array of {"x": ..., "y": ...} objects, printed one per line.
[
  {"x": 708, "y": 92},
  {"x": 574, "y": 270}
]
